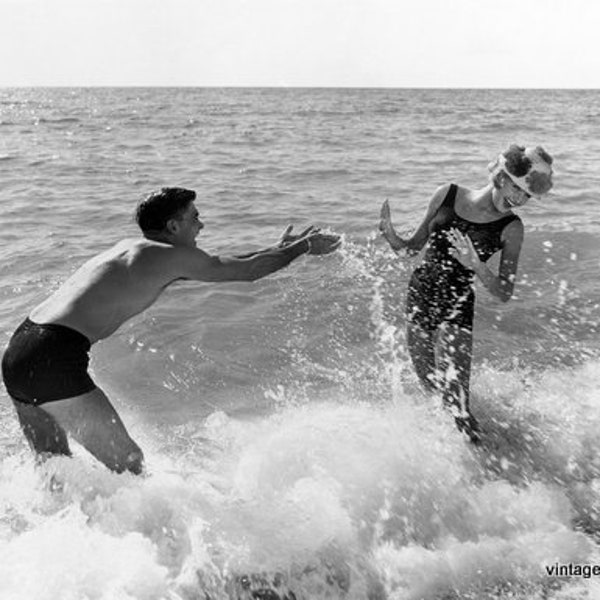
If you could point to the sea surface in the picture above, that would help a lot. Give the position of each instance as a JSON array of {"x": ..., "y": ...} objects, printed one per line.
[{"x": 287, "y": 442}]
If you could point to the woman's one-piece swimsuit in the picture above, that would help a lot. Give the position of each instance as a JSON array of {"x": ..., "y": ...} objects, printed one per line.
[{"x": 441, "y": 288}]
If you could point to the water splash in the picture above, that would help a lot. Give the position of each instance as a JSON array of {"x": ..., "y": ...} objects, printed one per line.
[{"x": 328, "y": 500}]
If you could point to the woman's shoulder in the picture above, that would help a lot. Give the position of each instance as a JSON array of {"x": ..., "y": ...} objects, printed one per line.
[
  {"x": 514, "y": 222},
  {"x": 444, "y": 192},
  {"x": 446, "y": 188},
  {"x": 513, "y": 229}
]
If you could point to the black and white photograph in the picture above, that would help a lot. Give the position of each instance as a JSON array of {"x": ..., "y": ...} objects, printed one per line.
[{"x": 299, "y": 300}]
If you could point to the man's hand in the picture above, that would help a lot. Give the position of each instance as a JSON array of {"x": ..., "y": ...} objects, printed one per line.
[
  {"x": 323, "y": 243},
  {"x": 287, "y": 237},
  {"x": 319, "y": 243}
]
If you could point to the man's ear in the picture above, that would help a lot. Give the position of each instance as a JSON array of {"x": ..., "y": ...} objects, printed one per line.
[{"x": 172, "y": 226}]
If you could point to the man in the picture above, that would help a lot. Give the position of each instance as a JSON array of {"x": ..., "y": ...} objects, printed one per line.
[{"x": 45, "y": 365}]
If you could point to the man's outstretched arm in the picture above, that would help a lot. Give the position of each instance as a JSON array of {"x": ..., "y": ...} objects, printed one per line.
[
  {"x": 198, "y": 265},
  {"x": 256, "y": 265},
  {"x": 286, "y": 238}
]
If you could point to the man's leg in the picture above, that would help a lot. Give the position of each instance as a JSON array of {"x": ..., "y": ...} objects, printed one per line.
[
  {"x": 45, "y": 436},
  {"x": 93, "y": 422}
]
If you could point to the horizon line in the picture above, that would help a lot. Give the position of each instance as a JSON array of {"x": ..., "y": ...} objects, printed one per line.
[{"x": 288, "y": 87}]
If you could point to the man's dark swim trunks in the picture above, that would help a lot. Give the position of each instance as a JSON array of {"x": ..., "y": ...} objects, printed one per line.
[
  {"x": 44, "y": 363},
  {"x": 440, "y": 289}
]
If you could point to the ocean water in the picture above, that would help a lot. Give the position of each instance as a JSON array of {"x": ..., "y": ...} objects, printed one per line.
[{"x": 288, "y": 444}]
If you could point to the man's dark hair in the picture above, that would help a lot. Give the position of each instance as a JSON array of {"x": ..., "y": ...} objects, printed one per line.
[{"x": 153, "y": 212}]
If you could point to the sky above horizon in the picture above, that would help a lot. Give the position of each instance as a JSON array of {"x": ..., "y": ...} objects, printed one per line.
[{"x": 324, "y": 43}]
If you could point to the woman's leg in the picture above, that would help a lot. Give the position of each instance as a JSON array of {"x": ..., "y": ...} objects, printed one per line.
[
  {"x": 421, "y": 348},
  {"x": 455, "y": 346},
  {"x": 455, "y": 351},
  {"x": 421, "y": 331}
]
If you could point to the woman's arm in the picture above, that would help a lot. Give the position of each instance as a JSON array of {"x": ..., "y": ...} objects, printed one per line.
[
  {"x": 502, "y": 285},
  {"x": 419, "y": 238}
]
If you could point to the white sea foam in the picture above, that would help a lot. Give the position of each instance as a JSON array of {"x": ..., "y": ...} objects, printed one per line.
[{"x": 335, "y": 500}]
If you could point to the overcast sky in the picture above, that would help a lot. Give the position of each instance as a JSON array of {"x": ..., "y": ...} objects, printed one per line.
[{"x": 355, "y": 43}]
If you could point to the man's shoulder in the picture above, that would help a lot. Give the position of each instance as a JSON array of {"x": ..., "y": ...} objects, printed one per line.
[
  {"x": 136, "y": 254},
  {"x": 160, "y": 258},
  {"x": 145, "y": 245},
  {"x": 142, "y": 248},
  {"x": 139, "y": 244}
]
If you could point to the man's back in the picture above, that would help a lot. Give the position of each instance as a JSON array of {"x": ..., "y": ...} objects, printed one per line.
[{"x": 108, "y": 289}]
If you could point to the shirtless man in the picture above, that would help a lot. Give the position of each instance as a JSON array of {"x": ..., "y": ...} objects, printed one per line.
[{"x": 45, "y": 367}]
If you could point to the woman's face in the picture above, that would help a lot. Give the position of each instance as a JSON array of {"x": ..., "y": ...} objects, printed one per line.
[{"x": 509, "y": 195}]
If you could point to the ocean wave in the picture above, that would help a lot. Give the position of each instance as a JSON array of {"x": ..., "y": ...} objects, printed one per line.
[
  {"x": 288, "y": 444},
  {"x": 38, "y": 162},
  {"x": 327, "y": 500},
  {"x": 58, "y": 120},
  {"x": 319, "y": 174}
]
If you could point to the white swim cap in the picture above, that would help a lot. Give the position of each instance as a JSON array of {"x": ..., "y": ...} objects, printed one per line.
[{"x": 529, "y": 168}]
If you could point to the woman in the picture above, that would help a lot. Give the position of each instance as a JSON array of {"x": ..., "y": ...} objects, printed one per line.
[{"x": 463, "y": 228}]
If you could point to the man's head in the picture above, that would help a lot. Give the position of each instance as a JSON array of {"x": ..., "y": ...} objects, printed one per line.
[{"x": 169, "y": 215}]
